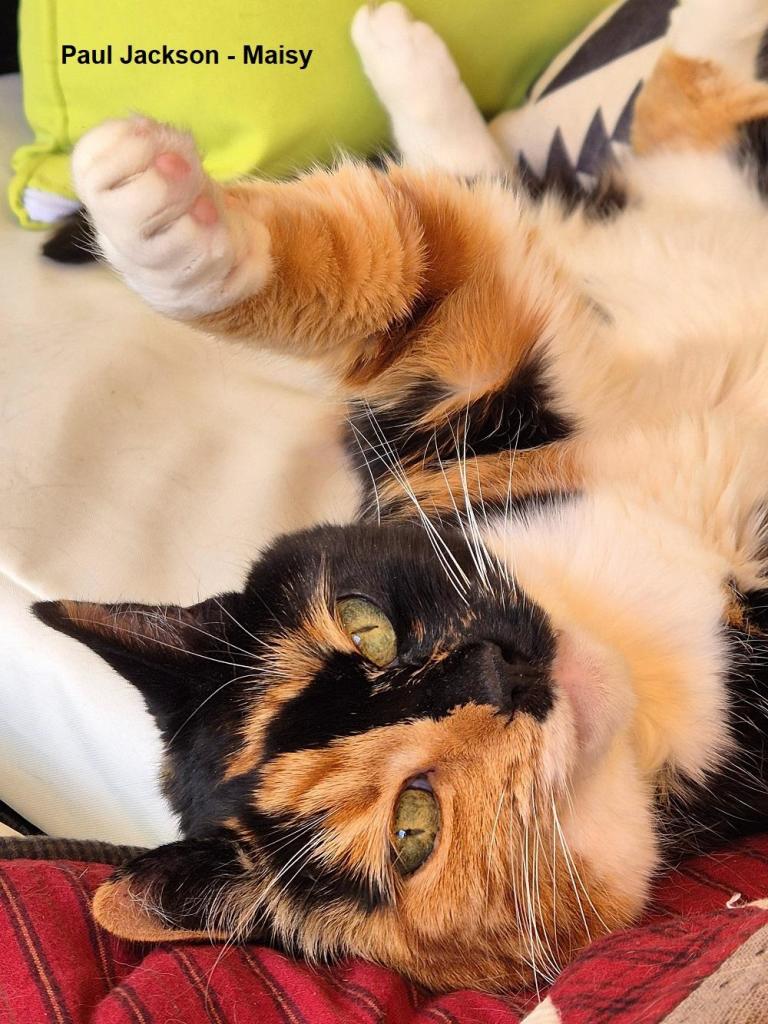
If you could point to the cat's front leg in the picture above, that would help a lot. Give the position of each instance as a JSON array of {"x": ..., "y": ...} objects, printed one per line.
[
  {"x": 435, "y": 121},
  {"x": 167, "y": 228},
  {"x": 313, "y": 267}
]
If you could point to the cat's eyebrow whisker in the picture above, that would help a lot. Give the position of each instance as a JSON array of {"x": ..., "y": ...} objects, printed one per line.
[
  {"x": 300, "y": 859},
  {"x": 282, "y": 841},
  {"x": 506, "y": 560},
  {"x": 482, "y": 550},
  {"x": 459, "y": 516},
  {"x": 474, "y": 543}
]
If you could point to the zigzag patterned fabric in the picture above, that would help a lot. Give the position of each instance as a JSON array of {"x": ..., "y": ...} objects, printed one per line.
[{"x": 579, "y": 112}]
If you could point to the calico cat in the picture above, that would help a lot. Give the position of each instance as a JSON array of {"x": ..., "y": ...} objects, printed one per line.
[{"x": 459, "y": 736}]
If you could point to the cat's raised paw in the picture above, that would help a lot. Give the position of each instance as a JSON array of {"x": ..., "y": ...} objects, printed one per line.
[
  {"x": 407, "y": 62},
  {"x": 161, "y": 222}
]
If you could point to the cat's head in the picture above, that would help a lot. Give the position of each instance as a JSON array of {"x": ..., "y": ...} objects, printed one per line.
[{"x": 377, "y": 749}]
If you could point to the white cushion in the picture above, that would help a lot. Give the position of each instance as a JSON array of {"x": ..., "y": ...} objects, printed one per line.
[{"x": 138, "y": 460}]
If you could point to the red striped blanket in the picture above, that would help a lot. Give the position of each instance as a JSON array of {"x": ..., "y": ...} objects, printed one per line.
[{"x": 700, "y": 958}]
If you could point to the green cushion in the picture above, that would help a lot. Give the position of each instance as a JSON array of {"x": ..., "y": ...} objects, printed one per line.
[{"x": 271, "y": 118}]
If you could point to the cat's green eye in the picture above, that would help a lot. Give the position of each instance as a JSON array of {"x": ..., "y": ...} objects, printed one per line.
[
  {"x": 415, "y": 825},
  {"x": 369, "y": 629}
]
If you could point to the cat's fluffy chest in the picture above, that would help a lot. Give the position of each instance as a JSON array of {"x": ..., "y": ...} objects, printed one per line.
[{"x": 671, "y": 386}]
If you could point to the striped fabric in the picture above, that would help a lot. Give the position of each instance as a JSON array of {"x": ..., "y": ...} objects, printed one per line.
[{"x": 700, "y": 958}]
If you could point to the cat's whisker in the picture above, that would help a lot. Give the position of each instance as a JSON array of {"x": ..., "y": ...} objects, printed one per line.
[
  {"x": 533, "y": 900},
  {"x": 491, "y": 845},
  {"x": 572, "y": 865},
  {"x": 229, "y": 943},
  {"x": 553, "y": 869},
  {"x": 454, "y": 571},
  {"x": 551, "y": 959},
  {"x": 368, "y": 468},
  {"x": 530, "y": 959},
  {"x": 567, "y": 858},
  {"x": 200, "y": 707},
  {"x": 530, "y": 917}
]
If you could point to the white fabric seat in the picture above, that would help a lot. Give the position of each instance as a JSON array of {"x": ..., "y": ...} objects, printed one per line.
[{"x": 138, "y": 460}]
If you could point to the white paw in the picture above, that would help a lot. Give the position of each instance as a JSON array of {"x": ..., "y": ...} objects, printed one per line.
[
  {"x": 726, "y": 32},
  {"x": 407, "y": 62},
  {"x": 161, "y": 222}
]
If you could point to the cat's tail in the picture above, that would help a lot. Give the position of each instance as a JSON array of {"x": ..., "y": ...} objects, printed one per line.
[{"x": 73, "y": 241}]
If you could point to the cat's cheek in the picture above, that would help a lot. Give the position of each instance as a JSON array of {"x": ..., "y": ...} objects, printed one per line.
[{"x": 611, "y": 828}]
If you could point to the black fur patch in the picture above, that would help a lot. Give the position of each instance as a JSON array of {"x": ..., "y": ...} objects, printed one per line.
[
  {"x": 309, "y": 881},
  {"x": 499, "y": 654},
  {"x": 753, "y": 135},
  {"x": 753, "y": 151},
  {"x": 734, "y": 799},
  {"x": 73, "y": 241},
  {"x": 515, "y": 417},
  {"x": 338, "y": 703}
]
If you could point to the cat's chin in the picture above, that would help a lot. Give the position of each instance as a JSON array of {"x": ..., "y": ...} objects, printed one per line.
[{"x": 595, "y": 682}]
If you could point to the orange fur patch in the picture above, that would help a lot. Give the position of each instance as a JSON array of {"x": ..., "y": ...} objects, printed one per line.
[
  {"x": 131, "y": 915},
  {"x": 465, "y": 917},
  {"x": 693, "y": 104},
  {"x": 486, "y": 478},
  {"x": 130, "y": 627}
]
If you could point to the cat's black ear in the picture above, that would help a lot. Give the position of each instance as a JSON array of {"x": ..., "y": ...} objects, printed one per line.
[
  {"x": 171, "y": 654},
  {"x": 171, "y": 893}
]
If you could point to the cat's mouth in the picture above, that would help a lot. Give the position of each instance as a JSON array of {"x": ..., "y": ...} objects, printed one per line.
[{"x": 595, "y": 681}]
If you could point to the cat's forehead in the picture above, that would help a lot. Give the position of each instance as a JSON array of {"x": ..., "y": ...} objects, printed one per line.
[
  {"x": 391, "y": 562},
  {"x": 428, "y": 583}
]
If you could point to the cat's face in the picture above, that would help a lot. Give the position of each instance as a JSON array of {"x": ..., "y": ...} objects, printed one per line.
[{"x": 372, "y": 751}]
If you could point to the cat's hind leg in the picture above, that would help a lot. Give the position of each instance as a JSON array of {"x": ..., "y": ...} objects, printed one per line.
[{"x": 435, "y": 121}]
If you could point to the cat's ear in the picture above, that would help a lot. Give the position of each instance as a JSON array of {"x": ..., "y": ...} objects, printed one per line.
[
  {"x": 170, "y": 894},
  {"x": 168, "y": 652}
]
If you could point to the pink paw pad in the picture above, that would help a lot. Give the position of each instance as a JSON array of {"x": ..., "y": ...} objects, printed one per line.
[
  {"x": 204, "y": 211},
  {"x": 172, "y": 166}
]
